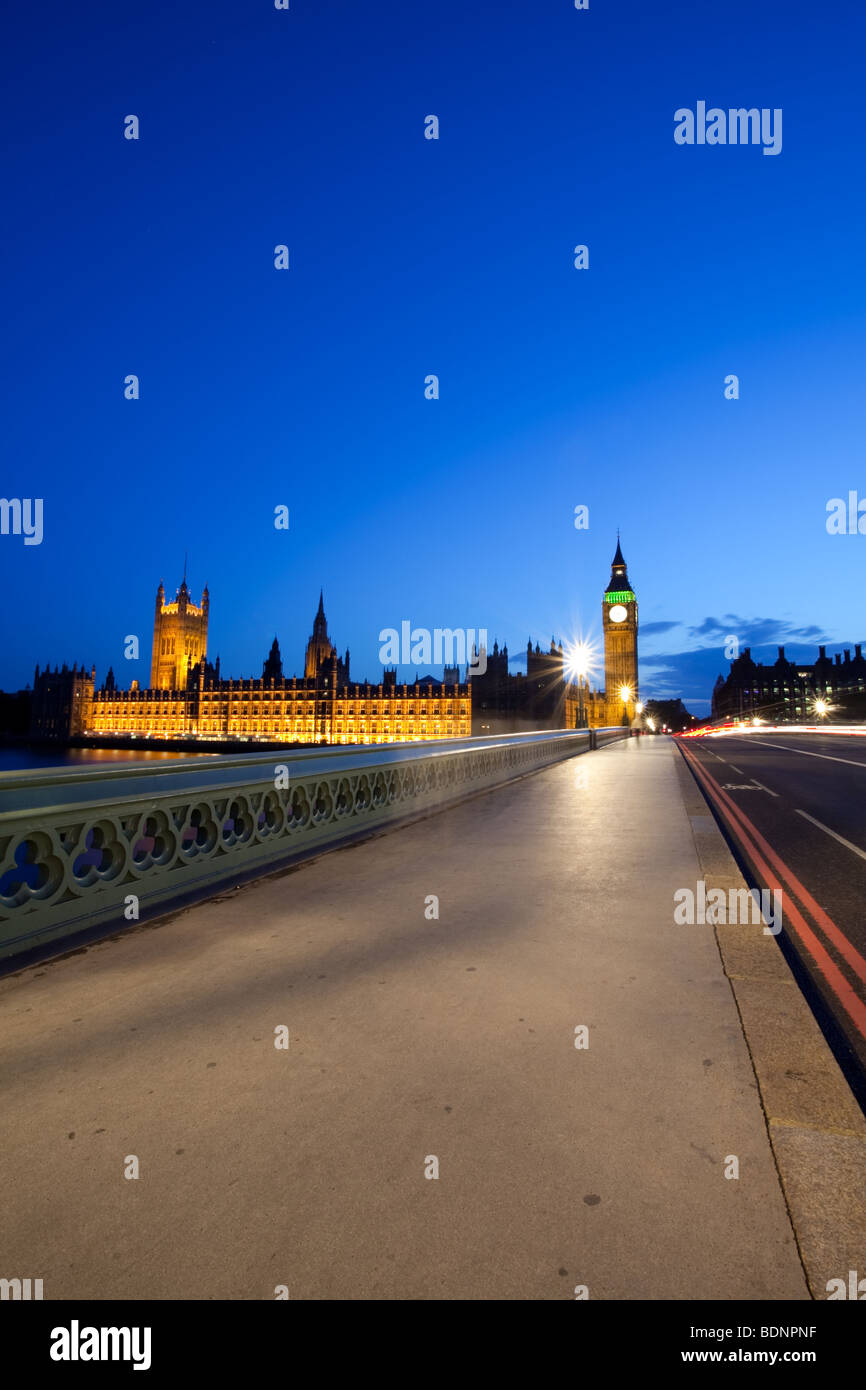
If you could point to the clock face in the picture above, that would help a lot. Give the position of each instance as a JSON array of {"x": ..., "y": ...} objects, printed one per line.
[{"x": 617, "y": 613}]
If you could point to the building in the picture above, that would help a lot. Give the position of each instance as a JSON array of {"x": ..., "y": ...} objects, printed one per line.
[
  {"x": 189, "y": 698},
  {"x": 537, "y": 699},
  {"x": 179, "y": 637},
  {"x": 61, "y": 701},
  {"x": 787, "y": 691},
  {"x": 617, "y": 702},
  {"x": 320, "y": 652},
  {"x": 619, "y": 622},
  {"x": 195, "y": 701},
  {"x": 549, "y": 694}
]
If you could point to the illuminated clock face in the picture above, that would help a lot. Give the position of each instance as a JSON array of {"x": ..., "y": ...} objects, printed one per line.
[{"x": 617, "y": 613}]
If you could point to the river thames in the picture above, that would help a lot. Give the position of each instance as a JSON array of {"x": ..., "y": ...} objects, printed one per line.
[{"x": 22, "y": 757}]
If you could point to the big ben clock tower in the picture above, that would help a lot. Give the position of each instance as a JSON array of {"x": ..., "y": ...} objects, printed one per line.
[{"x": 619, "y": 621}]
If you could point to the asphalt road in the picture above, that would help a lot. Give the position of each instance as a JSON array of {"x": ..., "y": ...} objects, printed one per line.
[{"x": 795, "y": 805}]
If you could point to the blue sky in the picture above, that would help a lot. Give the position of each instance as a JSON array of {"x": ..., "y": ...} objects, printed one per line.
[{"x": 558, "y": 387}]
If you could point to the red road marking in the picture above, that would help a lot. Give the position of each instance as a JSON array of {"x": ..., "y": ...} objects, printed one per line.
[{"x": 827, "y": 925}]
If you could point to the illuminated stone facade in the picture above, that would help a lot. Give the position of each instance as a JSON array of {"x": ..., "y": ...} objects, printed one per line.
[
  {"x": 322, "y": 706},
  {"x": 189, "y": 699},
  {"x": 617, "y": 703},
  {"x": 619, "y": 621},
  {"x": 586, "y": 709},
  {"x": 179, "y": 638},
  {"x": 290, "y": 710}
]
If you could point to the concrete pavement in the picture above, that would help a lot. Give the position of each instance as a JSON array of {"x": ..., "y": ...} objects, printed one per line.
[{"x": 410, "y": 1039}]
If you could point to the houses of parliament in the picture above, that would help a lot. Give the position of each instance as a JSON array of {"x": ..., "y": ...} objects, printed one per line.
[{"x": 189, "y": 699}]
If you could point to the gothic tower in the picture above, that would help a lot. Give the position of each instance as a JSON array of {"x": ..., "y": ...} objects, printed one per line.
[
  {"x": 319, "y": 648},
  {"x": 273, "y": 667},
  {"x": 619, "y": 621},
  {"x": 179, "y": 637}
]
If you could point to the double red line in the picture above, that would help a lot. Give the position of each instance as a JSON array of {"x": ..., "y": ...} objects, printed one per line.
[{"x": 775, "y": 874}]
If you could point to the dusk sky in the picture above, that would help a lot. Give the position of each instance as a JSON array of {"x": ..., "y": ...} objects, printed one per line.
[{"x": 408, "y": 257}]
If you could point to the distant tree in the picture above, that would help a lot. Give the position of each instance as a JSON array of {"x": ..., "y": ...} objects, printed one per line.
[
  {"x": 14, "y": 712},
  {"x": 673, "y": 713}
]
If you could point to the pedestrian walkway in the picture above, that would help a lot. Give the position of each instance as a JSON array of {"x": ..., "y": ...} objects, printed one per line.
[{"x": 417, "y": 1044}]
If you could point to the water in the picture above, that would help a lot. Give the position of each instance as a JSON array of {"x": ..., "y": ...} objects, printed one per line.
[{"x": 21, "y": 758}]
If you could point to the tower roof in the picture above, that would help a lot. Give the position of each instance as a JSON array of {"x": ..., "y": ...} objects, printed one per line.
[
  {"x": 320, "y": 622},
  {"x": 619, "y": 580}
]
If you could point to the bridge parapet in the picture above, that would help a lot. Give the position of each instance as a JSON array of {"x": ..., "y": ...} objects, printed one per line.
[{"x": 73, "y": 860}]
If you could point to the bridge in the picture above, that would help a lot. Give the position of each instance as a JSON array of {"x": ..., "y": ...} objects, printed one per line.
[{"x": 411, "y": 1023}]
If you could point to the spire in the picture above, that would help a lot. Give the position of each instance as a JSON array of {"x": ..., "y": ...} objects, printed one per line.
[
  {"x": 273, "y": 667},
  {"x": 619, "y": 580},
  {"x": 319, "y": 648}
]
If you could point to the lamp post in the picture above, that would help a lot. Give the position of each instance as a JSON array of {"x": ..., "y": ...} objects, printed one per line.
[
  {"x": 625, "y": 696},
  {"x": 579, "y": 660}
]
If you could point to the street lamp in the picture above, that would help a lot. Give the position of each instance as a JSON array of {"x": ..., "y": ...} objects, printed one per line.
[
  {"x": 579, "y": 660},
  {"x": 625, "y": 696}
]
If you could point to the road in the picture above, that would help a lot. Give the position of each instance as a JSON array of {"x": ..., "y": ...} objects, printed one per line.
[{"x": 795, "y": 806}]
